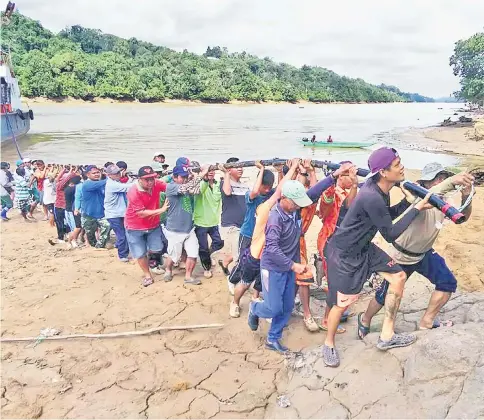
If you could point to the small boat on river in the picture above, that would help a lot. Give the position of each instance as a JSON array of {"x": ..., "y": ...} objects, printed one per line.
[{"x": 335, "y": 144}]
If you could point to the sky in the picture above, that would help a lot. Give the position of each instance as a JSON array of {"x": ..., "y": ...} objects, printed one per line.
[{"x": 406, "y": 43}]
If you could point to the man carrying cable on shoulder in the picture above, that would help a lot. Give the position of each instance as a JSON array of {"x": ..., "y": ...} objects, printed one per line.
[
  {"x": 352, "y": 257},
  {"x": 412, "y": 250}
]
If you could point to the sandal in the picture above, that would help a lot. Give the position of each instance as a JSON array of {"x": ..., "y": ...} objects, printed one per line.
[
  {"x": 362, "y": 330},
  {"x": 339, "y": 330},
  {"x": 330, "y": 356},
  {"x": 147, "y": 281},
  {"x": 438, "y": 324},
  {"x": 398, "y": 340}
]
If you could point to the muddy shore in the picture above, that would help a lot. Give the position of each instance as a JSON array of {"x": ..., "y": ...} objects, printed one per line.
[{"x": 226, "y": 372}]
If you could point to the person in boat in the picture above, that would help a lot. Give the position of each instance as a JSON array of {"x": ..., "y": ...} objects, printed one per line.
[
  {"x": 413, "y": 250},
  {"x": 329, "y": 139},
  {"x": 313, "y": 139},
  {"x": 352, "y": 257}
]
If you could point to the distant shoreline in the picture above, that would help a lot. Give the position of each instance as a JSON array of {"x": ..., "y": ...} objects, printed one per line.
[{"x": 73, "y": 101}]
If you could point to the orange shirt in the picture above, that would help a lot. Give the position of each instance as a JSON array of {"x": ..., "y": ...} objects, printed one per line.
[{"x": 330, "y": 204}]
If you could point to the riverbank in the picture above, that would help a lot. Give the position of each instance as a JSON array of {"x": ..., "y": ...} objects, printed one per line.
[
  {"x": 75, "y": 101},
  {"x": 222, "y": 373},
  {"x": 466, "y": 140}
]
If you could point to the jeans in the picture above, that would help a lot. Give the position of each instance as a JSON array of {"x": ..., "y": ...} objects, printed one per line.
[
  {"x": 279, "y": 290},
  {"x": 204, "y": 250},
  {"x": 91, "y": 225},
  {"x": 60, "y": 222},
  {"x": 117, "y": 224},
  {"x": 141, "y": 242}
]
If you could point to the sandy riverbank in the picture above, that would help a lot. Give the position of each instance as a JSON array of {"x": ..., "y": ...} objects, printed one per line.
[
  {"x": 460, "y": 140},
  {"x": 174, "y": 102},
  {"x": 224, "y": 373}
]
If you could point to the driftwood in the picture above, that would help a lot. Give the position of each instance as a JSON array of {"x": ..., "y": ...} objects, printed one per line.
[{"x": 110, "y": 335}]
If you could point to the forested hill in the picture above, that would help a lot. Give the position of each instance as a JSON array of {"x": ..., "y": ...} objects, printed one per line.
[{"x": 85, "y": 63}]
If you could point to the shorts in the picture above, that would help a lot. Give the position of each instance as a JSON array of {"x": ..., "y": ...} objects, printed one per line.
[
  {"x": 24, "y": 205},
  {"x": 50, "y": 208},
  {"x": 307, "y": 278},
  {"x": 247, "y": 270},
  {"x": 347, "y": 273},
  {"x": 142, "y": 241},
  {"x": 41, "y": 197},
  {"x": 73, "y": 221},
  {"x": 433, "y": 267},
  {"x": 230, "y": 236},
  {"x": 244, "y": 245},
  {"x": 177, "y": 242}
]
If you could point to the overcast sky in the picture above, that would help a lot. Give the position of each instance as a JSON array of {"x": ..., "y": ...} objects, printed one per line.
[{"x": 406, "y": 43}]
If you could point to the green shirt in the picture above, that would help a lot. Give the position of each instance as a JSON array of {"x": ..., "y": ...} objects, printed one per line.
[{"x": 208, "y": 205}]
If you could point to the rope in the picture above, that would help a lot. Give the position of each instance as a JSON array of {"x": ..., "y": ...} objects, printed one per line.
[
  {"x": 41, "y": 337},
  {"x": 13, "y": 135}
]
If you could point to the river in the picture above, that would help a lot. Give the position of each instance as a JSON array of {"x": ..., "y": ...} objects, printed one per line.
[{"x": 96, "y": 133}]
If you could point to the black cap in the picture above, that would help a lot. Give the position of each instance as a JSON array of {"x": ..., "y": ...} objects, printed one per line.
[
  {"x": 121, "y": 164},
  {"x": 147, "y": 172}
]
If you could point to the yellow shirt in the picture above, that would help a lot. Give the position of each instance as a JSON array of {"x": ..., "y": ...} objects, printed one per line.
[{"x": 259, "y": 235}]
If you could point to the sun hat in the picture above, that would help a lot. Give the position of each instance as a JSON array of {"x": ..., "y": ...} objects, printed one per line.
[{"x": 431, "y": 170}]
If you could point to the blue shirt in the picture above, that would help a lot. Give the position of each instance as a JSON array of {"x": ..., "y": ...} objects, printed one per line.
[
  {"x": 247, "y": 228},
  {"x": 92, "y": 204},
  {"x": 283, "y": 231},
  {"x": 78, "y": 197},
  {"x": 115, "y": 200}
]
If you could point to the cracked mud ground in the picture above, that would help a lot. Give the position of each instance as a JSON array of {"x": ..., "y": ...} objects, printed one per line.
[{"x": 222, "y": 373}]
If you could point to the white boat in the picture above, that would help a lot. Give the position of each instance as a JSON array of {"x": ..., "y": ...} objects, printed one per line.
[{"x": 15, "y": 116}]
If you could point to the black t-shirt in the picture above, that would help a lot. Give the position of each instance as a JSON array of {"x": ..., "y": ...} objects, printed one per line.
[
  {"x": 70, "y": 193},
  {"x": 369, "y": 213},
  {"x": 234, "y": 206}
]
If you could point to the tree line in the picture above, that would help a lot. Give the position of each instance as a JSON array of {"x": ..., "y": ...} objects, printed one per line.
[
  {"x": 467, "y": 62},
  {"x": 86, "y": 63}
]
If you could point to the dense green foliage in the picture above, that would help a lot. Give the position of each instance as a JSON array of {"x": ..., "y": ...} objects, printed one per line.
[
  {"x": 409, "y": 97},
  {"x": 85, "y": 63},
  {"x": 468, "y": 63}
]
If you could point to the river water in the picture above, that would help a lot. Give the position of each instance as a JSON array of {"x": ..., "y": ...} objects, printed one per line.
[{"x": 96, "y": 133}]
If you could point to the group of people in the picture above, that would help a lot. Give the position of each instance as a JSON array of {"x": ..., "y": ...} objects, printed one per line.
[{"x": 256, "y": 233}]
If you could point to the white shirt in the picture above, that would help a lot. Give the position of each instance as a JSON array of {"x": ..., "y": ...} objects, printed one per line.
[{"x": 49, "y": 192}]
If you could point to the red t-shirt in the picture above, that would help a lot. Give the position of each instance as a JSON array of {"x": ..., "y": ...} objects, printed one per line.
[{"x": 143, "y": 200}]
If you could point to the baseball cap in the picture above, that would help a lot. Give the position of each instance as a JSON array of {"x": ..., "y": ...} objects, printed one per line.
[
  {"x": 19, "y": 162},
  {"x": 182, "y": 161},
  {"x": 297, "y": 193},
  {"x": 89, "y": 168},
  {"x": 180, "y": 171},
  {"x": 122, "y": 164},
  {"x": 4, "y": 165},
  {"x": 157, "y": 166},
  {"x": 27, "y": 160},
  {"x": 146, "y": 172},
  {"x": 113, "y": 170},
  {"x": 380, "y": 159},
  {"x": 431, "y": 170}
]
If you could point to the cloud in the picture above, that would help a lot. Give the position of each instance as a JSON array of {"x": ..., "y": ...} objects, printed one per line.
[{"x": 406, "y": 43}]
